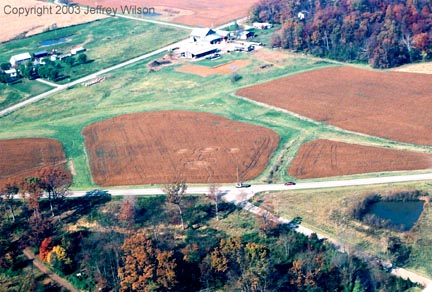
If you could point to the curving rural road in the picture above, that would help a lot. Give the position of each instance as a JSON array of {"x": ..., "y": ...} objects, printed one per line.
[{"x": 240, "y": 197}]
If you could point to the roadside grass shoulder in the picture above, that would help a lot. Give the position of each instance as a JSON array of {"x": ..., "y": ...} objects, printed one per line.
[
  {"x": 326, "y": 211},
  {"x": 14, "y": 93}
]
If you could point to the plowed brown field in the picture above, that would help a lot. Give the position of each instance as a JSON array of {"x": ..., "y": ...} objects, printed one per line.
[
  {"x": 21, "y": 158},
  {"x": 205, "y": 71},
  {"x": 200, "y": 13},
  {"x": 392, "y": 105},
  {"x": 322, "y": 158},
  {"x": 158, "y": 147}
]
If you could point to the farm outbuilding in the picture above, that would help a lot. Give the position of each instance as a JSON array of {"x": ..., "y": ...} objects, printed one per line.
[
  {"x": 205, "y": 35},
  {"x": 78, "y": 50},
  {"x": 40, "y": 54},
  {"x": 199, "y": 52},
  {"x": 244, "y": 35},
  {"x": 262, "y": 25},
  {"x": 20, "y": 59}
]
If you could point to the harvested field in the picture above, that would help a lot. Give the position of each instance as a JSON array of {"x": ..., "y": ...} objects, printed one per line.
[
  {"x": 391, "y": 105},
  {"x": 204, "y": 71},
  {"x": 424, "y": 68},
  {"x": 21, "y": 158},
  {"x": 157, "y": 147},
  {"x": 23, "y": 26},
  {"x": 323, "y": 158},
  {"x": 195, "y": 13}
]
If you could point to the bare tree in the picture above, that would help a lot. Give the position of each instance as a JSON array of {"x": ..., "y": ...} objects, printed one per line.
[
  {"x": 7, "y": 196},
  {"x": 175, "y": 192},
  {"x": 215, "y": 195}
]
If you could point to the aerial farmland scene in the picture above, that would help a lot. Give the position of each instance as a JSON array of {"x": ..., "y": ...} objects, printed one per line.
[{"x": 216, "y": 146}]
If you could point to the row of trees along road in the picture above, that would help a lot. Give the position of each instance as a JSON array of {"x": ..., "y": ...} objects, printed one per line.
[{"x": 383, "y": 33}]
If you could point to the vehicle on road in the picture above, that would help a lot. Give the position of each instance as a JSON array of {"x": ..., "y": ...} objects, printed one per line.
[
  {"x": 242, "y": 185},
  {"x": 290, "y": 183}
]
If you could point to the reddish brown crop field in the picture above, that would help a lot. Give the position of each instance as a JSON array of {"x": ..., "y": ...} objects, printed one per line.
[
  {"x": 158, "y": 147},
  {"x": 391, "y": 105},
  {"x": 21, "y": 158},
  {"x": 206, "y": 13},
  {"x": 322, "y": 158}
]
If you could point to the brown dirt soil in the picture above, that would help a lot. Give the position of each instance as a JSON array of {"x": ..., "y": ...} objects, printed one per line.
[
  {"x": 201, "y": 13},
  {"x": 15, "y": 25},
  {"x": 21, "y": 158},
  {"x": 323, "y": 158},
  {"x": 391, "y": 105},
  {"x": 205, "y": 71},
  {"x": 158, "y": 147}
]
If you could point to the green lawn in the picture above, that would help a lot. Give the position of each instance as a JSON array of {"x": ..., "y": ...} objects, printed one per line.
[
  {"x": 13, "y": 93},
  {"x": 108, "y": 42}
]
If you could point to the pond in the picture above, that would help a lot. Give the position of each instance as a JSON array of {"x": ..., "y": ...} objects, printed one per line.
[
  {"x": 55, "y": 41},
  {"x": 403, "y": 215}
]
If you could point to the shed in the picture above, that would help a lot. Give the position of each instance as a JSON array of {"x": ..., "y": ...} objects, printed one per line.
[
  {"x": 40, "y": 54},
  {"x": 78, "y": 50},
  {"x": 199, "y": 52},
  {"x": 12, "y": 73},
  {"x": 244, "y": 35},
  {"x": 20, "y": 59}
]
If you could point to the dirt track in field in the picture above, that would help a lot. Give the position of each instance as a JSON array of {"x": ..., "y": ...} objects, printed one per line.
[
  {"x": 205, "y": 71},
  {"x": 323, "y": 158},
  {"x": 21, "y": 158},
  {"x": 14, "y": 25},
  {"x": 206, "y": 13},
  {"x": 158, "y": 147},
  {"x": 391, "y": 105}
]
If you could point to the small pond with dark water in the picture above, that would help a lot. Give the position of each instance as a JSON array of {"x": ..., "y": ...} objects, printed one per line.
[
  {"x": 55, "y": 41},
  {"x": 403, "y": 215}
]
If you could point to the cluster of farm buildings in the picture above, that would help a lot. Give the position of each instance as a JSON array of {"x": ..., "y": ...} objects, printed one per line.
[
  {"x": 204, "y": 41},
  {"x": 37, "y": 58}
]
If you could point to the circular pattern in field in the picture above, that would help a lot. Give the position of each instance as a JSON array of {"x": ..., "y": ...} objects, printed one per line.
[
  {"x": 323, "y": 158},
  {"x": 391, "y": 105},
  {"x": 21, "y": 158},
  {"x": 159, "y": 147},
  {"x": 205, "y": 71}
]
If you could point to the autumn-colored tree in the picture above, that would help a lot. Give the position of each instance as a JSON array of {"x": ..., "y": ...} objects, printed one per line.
[
  {"x": 55, "y": 182},
  {"x": 31, "y": 193},
  {"x": 127, "y": 211},
  {"x": 45, "y": 248},
  {"x": 175, "y": 192},
  {"x": 146, "y": 268}
]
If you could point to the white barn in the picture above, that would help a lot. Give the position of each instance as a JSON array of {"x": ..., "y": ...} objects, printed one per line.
[{"x": 20, "y": 59}]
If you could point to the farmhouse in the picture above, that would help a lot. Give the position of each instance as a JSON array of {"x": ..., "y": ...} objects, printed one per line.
[
  {"x": 205, "y": 35},
  {"x": 20, "y": 59},
  {"x": 262, "y": 25},
  {"x": 12, "y": 74}
]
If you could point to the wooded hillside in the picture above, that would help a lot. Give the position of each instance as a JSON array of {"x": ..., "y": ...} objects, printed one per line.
[{"x": 383, "y": 33}]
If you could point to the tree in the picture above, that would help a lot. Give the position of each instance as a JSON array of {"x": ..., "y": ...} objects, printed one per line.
[
  {"x": 7, "y": 195},
  {"x": 215, "y": 195},
  {"x": 145, "y": 268},
  {"x": 31, "y": 193},
  {"x": 55, "y": 182},
  {"x": 175, "y": 193},
  {"x": 82, "y": 58},
  {"x": 45, "y": 248},
  {"x": 127, "y": 211}
]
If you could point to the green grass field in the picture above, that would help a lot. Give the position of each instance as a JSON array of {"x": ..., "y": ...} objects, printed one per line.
[
  {"x": 324, "y": 211},
  {"x": 108, "y": 42},
  {"x": 11, "y": 94}
]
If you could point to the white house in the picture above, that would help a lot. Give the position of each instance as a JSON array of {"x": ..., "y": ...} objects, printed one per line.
[
  {"x": 12, "y": 73},
  {"x": 262, "y": 25},
  {"x": 205, "y": 35},
  {"x": 20, "y": 59}
]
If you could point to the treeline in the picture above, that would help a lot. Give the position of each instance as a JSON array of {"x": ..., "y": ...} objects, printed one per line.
[{"x": 383, "y": 33}]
